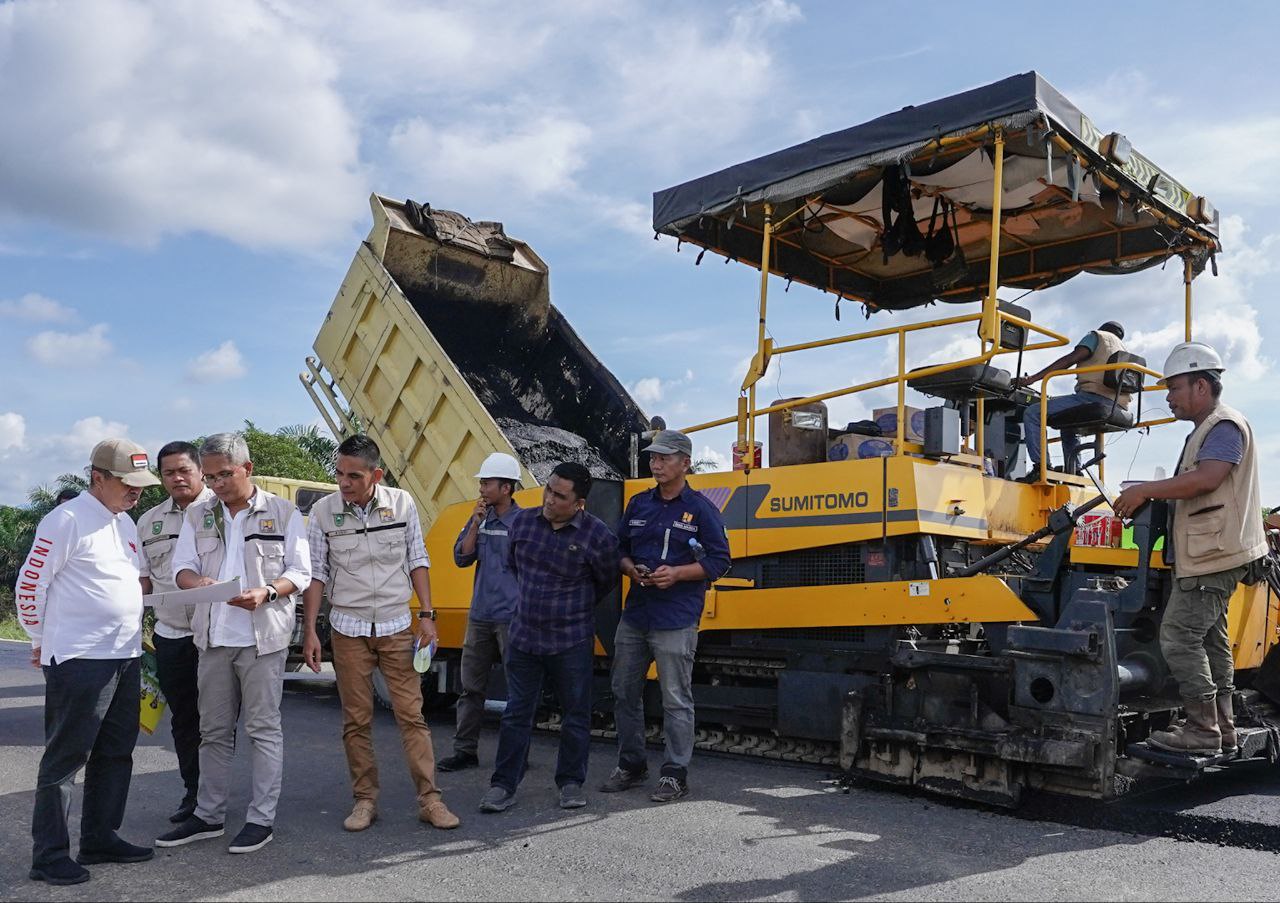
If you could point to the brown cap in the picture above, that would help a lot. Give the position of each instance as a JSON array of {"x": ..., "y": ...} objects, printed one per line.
[{"x": 126, "y": 460}]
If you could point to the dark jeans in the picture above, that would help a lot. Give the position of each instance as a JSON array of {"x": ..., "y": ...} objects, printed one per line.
[
  {"x": 176, "y": 664},
  {"x": 90, "y": 716},
  {"x": 570, "y": 675}
]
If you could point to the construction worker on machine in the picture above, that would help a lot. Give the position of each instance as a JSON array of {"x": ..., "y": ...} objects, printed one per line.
[
  {"x": 1096, "y": 348},
  {"x": 1215, "y": 536}
]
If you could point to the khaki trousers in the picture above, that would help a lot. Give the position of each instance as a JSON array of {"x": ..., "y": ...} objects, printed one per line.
[
  {"x": 354, "y": 659},
  {"x": 1193, "y": 634}
]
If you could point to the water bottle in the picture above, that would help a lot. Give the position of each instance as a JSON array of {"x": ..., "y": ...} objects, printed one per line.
[{"x": 696, "y": 548}]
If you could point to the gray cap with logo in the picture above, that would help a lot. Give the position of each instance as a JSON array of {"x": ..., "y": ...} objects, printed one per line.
[
  {"x": 670, "y": 442},
  {"x": 126, "y": 460}
]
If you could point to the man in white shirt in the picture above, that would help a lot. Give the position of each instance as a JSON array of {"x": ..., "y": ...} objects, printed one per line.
[
  {"x": 246, "y": 533},
  {"x": 176, "y": 653},
  {"x": 80, "y": 601}
]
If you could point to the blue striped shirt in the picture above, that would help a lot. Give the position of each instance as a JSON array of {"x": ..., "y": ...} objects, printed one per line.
[{"x": 561, "y": 575}]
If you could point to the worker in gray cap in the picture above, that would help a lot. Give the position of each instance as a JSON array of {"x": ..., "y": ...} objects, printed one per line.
[
  {"x": 673, "y": 545},
  {"x": 1094, "y": 349},
  {"x": 79, "y": 598}
]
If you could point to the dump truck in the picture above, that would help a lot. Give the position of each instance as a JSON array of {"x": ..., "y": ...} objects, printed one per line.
[{"x": 917, "y": 616}]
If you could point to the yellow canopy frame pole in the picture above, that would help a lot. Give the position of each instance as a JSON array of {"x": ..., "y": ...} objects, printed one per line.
[
  {"x": 990, "y": 330},
  {"x": 1186, "y": 281},
  {"x": 901, "y": 438},
  {"x": 747, "y": 436}
]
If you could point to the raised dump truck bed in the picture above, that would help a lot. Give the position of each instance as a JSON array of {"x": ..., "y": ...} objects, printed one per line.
[{"x": 443, "y": 344}]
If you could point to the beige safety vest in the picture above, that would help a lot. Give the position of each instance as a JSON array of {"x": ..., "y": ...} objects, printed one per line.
[
  {"x": 158, "y": 529},
  {"x": 368, "y": 560},
  {"x": 1222, "y": 529},
  {"x": 1108, "y": 344},
  {"x": 268, "y": 519}
]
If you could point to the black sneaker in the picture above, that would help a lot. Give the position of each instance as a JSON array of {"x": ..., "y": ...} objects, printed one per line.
[
  {"x": 250, "y": 839},
  {"x": 621, "y": 779},
  {"x": 669, "y": 789},
  {"x": 189, "y": 831},
  {"x": 118, "y": 850},
  {"x": 497, "y": 799},
  {"x": 61, "y": 872},
  {"x": 458, "y": 761}
]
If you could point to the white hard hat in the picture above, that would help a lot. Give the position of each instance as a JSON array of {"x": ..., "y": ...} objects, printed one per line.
[
  {"x": 1192, "y": 357},
  {"x": 504, "y": 467}
]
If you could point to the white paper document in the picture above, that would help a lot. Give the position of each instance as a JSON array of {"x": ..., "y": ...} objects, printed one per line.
[{"x": 201, "y": 595}]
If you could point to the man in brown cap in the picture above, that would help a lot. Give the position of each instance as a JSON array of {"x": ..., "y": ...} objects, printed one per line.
[{"x": 80, "y": 601}]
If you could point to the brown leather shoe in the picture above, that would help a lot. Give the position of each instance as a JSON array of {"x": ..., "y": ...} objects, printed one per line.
[
  {"x": 437, "y": 814},
  {"x": 1227, "y": 721},
  {"x": 363, "y": 814},
  {"x": 1198, "y": 737}
]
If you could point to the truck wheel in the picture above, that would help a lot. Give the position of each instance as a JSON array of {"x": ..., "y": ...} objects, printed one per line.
[{"x": 432, "y": 699}]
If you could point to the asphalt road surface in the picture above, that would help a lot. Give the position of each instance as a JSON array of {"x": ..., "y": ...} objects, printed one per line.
[{"x": 751, "y": 829}]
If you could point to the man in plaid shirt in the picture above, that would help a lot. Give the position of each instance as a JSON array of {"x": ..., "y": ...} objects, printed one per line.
[{"x": 565, "y": 561}]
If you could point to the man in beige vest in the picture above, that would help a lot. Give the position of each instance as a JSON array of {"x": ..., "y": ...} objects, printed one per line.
[
  {"x": 246, "y": 533},
  {"x": 1215, "y": 537},
  {"x": 1095, "y": 348},
  {"x": 367, "y": 548},
  {"x": 176, "y": 655}
]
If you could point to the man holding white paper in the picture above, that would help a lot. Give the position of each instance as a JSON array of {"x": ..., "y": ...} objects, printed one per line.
[
  {"x": 366, "y": 547},
  {"x": 255, "y": 536}
]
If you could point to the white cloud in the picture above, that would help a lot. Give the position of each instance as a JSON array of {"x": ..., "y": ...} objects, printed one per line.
[
  {"x": 13, "y": 431},
  {"x": 709, "y": 454},
  {"x": 503, "y": 152},
  {"x": 85, "y": 434},
  {"x": 71, "y": 349},
  {"x": 37, "y": 308},
  {"x": 137, "y": 120},
  {"x": 217, "y": 364},
  {"x": 648, "y": 390}
]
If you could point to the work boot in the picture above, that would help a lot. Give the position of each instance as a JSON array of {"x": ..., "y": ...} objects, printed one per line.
[
  {"x": 1199, "y": 736},
  {"x": 363, "y": 814},
  {"x": 1227, "y": 721}
]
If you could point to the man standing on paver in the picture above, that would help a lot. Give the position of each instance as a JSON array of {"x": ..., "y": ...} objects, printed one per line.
[
  {"x": 1215, "y": 537},
  {"x": 673, "y": 543},
  {"x": 80, "y": 601},
  {"x": 484, "y": 543},
  {"x": 367, "y": 548},
  {"x": 565, "y": 562}
]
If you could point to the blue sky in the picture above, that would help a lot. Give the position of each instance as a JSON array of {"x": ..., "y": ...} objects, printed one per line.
[{"x": 183, "y": 185}]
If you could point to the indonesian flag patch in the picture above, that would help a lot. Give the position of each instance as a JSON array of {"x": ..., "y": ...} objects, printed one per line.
[{"x": 139, "y": 461}]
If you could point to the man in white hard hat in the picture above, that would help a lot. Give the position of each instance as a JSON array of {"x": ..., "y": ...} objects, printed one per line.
[
  {"x": 80, "y": 600},
  {"x": 1094, "y": 349},
  {"x": 1215, "y": 537},
  {"x": 484, "y": 543}
]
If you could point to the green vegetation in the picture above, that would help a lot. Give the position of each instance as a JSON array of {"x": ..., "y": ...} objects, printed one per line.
[{"x": 9, "y": 627}]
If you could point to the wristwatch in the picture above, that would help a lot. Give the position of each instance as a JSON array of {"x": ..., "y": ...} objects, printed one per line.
[
  {"x": 272, "y": 593},
  {"x": 429, "y": 614}
]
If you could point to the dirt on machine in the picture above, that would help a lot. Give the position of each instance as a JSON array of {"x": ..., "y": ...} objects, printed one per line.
[{"x": 901, "y": 604}]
